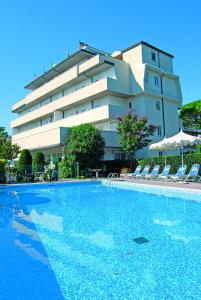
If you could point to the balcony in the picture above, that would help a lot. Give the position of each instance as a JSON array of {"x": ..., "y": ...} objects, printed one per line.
[
  {"x": 106, "y": 86},
  {"x": 53, "y": 134},
  {"x": 53, "y": 84},
  {"x": 76, "y": 74}
]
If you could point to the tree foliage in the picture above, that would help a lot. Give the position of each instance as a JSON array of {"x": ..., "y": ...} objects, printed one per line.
[
  {"x": 191, "y": 115},
  {"x": 134, "y": 132},
  {"x": 2, "y": 170},
  {"x": 38, "y": 162},
  {"x": 7, "y": 149},
  {"x": 25, "y": 161},
  {"x": 85, "y": 145}
]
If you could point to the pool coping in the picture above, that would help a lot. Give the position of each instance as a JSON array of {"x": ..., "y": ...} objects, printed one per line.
[
  {"x": 169, "y": 191},
  {"x": 43, "y": 183}
]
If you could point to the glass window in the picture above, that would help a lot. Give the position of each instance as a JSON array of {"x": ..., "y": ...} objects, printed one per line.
[
  {"x": 159, "y": 130},
  {"x": 119, "y": 156},
  {"x": 146, "y": 78},
  {"x": 158, "y": 105},
  {"x": 153, "y": 56},
  {"x": 156, "y": 80}
]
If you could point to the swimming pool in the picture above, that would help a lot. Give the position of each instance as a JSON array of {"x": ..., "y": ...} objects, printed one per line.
[{"x": 91, "y": 241}]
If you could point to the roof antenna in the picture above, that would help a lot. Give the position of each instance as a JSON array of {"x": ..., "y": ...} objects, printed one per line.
[{"x": 82, "y": 45}]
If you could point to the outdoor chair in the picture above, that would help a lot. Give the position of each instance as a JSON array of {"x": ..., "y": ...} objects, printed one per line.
[
  {"x": 132, "y": 175},
  {"x": 180, "y": 175},
  {"x": 144, "y": 172},
  {"x": 193, "y": 174},
  {"x": 153, "y": 174},
  {"x": 165, "y": 173}
]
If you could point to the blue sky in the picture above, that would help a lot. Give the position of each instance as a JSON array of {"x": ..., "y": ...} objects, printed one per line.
[{"x": 35, "y": 33}]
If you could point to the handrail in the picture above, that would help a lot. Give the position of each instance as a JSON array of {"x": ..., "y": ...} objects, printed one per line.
[{"x": 112, "y": 176}]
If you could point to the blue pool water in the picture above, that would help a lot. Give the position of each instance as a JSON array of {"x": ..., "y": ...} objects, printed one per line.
[{"x": 76, "y": 241}]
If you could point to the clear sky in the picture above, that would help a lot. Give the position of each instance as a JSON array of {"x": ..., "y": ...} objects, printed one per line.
[{"x": 35, "y": 33}]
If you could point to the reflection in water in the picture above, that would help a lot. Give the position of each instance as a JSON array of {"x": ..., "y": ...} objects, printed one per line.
[
  {"x": 167, "y": 223},
  {"x": 49, "y": 221},
  {"x": 183, "y": 238},
  {"x": 98, "y": 238},
  {"x": 6, "y": 214},
  {"x": 27, "y": 198},
  {"x": 65, "y": 252},
  {"x": 25, "y": 230},
  {"x": 35, "y": 254}
]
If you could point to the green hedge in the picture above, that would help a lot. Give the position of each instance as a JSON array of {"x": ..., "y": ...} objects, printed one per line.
[
  {"x": 174, "y": 161},
  {"x": 2, "y": 171}
]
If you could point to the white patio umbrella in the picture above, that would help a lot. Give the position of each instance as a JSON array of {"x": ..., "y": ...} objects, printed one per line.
[
  {"x": 180, "y": 140},
  {"x": 161, "y": 146}
]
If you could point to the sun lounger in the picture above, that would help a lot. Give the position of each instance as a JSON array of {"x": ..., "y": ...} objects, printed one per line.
[
  {"x": 180, "y": 175},
  {"x": 153, "y": 174},
  {"x": 144, "y": 172},
  {"x": 165, "y": 173},
  {"x": 193, "y": 174},
  {"x": 132, "y": 175}
]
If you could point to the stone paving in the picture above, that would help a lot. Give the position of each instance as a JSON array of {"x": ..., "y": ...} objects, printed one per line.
[{"x": 180, "y": 184}]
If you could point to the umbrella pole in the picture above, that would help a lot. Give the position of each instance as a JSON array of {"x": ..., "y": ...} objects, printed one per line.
[{"x": 182, "y": 156}]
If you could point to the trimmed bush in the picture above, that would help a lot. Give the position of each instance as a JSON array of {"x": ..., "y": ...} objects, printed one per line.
[
  {"x": 174, "y": 161},
  {"x": 38, "y": 162},
  {"x": 85, "y": 145},
  {"x": 25, "y": 161},
  {"x": 2, "y": 171}
]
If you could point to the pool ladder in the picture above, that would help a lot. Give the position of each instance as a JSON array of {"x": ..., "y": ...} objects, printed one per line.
[{"x": 111, "y": 177}]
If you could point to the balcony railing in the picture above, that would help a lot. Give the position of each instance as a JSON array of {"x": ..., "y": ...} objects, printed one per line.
[
  {"x": 40, "y": 137},
  {"x": 94, "y": 90}
]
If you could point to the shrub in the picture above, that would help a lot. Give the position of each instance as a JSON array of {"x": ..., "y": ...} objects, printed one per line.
[
  {"x": 125, "y": 170},
  {"x": 25, "y": 161},
  {"x": 84, "y": 144},
  {"x": 68, "y": 169},
  {"x": 38, "y": 162},
  {"x": 198, "y": 148},
  {"x": 174, "y": 161},
  {"x": 2, "y": 171}
]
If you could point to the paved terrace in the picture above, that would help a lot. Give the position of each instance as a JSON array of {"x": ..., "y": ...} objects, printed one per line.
[{"x": 180, "y": 184}]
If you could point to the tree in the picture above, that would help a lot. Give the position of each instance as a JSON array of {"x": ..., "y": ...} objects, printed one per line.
[
  {"x": 38, "y": 162},
  {"x": 191, "y": 115},
  {"x": 7, "y": 149},
  {"x": 25, "y": 161},
  {"x": 134, "y": 132},
  {"x": 85, "y": 145}
]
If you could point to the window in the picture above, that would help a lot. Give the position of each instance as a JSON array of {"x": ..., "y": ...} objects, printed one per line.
[
  {"x": 156, "y": 80},
  {"x": 113, "y": 126},
  {"x": 153, "y": 56},
  {"x": 146, "y": 78},
  {"x": 158, "y": 105},
  {"x": 159, "y": 130},
  {"x": 130, "y": 105},
  {"x": 119, "y": 156}
]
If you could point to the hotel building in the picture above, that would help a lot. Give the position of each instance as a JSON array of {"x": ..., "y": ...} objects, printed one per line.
[{"x": 93, "y": 86}]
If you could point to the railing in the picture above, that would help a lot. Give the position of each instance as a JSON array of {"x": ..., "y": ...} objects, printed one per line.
[{"x": 111, "y": 176}]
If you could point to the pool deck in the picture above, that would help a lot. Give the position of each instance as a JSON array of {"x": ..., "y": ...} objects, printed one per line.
[{"x": 181, "y": 184}]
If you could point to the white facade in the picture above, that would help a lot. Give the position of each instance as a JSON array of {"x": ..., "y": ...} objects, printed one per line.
[{"x": 92, "y": 86}]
